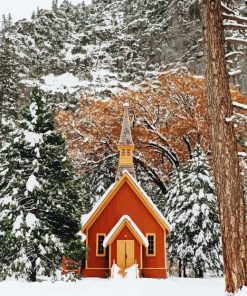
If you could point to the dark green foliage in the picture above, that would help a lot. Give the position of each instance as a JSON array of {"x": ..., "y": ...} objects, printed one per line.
[
  {"x": 76, "y": 250},
  {"x": 8, "y": 88},
  {"x": 39, "y": 201},
  {"x": 96, "y": 181}
]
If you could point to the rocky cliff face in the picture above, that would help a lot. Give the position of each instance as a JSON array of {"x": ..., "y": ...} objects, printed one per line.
[{"x": 111, "y": 45}]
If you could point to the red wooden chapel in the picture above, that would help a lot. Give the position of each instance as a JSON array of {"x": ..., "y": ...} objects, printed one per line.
[{"x": 125, "y": 228}]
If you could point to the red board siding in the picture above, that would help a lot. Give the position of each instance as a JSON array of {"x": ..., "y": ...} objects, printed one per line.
[
  {"x": 153, "y": 273},
  {"x": 102, "y": 273},
  {"x": 125, "y": 202}
]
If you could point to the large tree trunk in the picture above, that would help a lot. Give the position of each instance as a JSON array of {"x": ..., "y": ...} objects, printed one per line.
[
  {"x": 32, "y": 273},
  {"x": 224, "y": 148}
]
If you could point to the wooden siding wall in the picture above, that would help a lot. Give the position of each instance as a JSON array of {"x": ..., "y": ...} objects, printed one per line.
[{"x": 125, "y": 202}]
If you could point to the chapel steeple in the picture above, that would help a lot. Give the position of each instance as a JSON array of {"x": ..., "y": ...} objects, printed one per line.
[{"x": 125, "y": 146}]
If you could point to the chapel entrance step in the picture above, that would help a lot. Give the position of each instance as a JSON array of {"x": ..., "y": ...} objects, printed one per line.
[{"x": 122, "y": 272}]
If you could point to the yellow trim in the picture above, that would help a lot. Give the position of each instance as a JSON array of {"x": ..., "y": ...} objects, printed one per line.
[
  {"x": 87, "y": 249},
  {"x": 112, "y": 193},
  {"x": 98, "y": 268},
  {"x": 97, "y": 241},
  {"x": 154, "y": 254},
  {"x": 109, "y": 257},
  {"x": 141, "y": 261},
  {"x": 165, "y": 250},
  {"x": 154, "y": 268},
  {"x": 121, "y": 226}
]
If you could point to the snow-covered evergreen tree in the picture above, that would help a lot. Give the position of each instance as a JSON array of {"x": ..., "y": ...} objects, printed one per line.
[
  {"x": 96, "y": 181},
  {"x": 54, "y": 5},
  {"x": 8, "y": 88},
  {"x": 191, "y": 209},
  {"x": 39, "y": 204}
]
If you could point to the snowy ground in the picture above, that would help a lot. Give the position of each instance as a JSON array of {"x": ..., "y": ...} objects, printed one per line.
[{"x": 119, "y": 287}]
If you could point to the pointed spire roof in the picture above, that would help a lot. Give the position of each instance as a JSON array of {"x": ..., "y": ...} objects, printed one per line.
[
  {"x": 125, "y": 146},
  {"x": 126, "y": 137}
]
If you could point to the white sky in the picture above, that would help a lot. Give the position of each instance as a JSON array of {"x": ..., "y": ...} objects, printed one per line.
[{"x": 23, "y": 8}]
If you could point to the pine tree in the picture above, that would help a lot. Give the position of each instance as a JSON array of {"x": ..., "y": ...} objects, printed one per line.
[
  {"x": 33, "y": 16},
  {"x": 10, "y": 20},
  {"x": 54, "y": 5},
  {"x": 8, "y": 88},
  {"x": 191, "y": 209},
  {"x": 4, "y": 22},
  {"x": 226, "y": 168},
  {"x": 96, "y": 182},
  {"x": 39, "y": 202}
]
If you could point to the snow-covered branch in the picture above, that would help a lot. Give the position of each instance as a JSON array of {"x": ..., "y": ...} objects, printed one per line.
[
  {"x": 236, "y": 40},
  {"x": 233, "y": 53},
  {"x": 232, "y": 26},
  {"x": 227, "y": 9},
  {"x": 236, "y": 18},
  {"x": 236, "y": 72},
  {"x": 236, "y": 104},
  {"x": 243, "y": 154}
]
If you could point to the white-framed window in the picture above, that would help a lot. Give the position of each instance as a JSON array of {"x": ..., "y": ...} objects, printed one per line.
[
  {"x": 151, "y": 249},
  {"x": 100, "y": 250}
]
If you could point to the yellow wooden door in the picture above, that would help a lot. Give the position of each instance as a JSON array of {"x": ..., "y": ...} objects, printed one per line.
[
  {"x": 130, "y": 253},
  {"x": 121, "y": 253},
  {"x": 125, "y": 253}
]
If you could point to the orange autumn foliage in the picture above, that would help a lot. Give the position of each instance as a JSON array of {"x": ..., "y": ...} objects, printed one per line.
[{"x": 169, "y": 117}]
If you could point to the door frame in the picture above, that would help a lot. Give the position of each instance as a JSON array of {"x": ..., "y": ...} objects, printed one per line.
[{"x": 133, "y": 250}]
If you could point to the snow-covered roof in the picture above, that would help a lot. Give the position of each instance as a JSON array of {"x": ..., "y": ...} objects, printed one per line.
[
  {"x": 125, "y": 136},
  {"x": 86, "y": 218},
  {"x": 122, "y": 220}
]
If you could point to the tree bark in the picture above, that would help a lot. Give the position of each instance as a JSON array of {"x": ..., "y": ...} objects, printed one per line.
[
  {"x": 180, "y": 268},
  {"x": 32, "y": 274},
  {"x": 228, "y": 182},
  {"x": 184, "y": 270}
]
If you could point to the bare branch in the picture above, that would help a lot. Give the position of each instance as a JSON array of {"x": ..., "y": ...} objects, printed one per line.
[
  {"x": 187, "y": 142},
  {"x": 152, "y": 174},
  {"x": 166, "y": 151}
]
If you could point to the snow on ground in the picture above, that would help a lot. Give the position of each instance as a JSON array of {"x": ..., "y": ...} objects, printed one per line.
[
  {"x": 119, "y": 287},
  {"x": 66, "y": 82}
]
